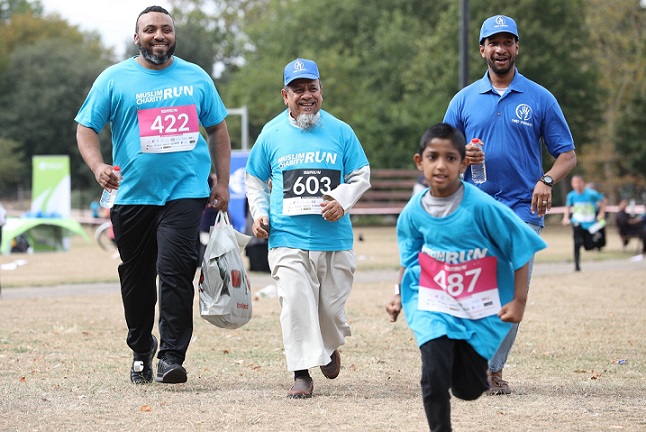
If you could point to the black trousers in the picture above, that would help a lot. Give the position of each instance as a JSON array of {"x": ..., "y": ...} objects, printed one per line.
[
  {"x": 577, "y": 233},
  {"x": 449, "y": 364},
  {"x": 158, "y": 241}
]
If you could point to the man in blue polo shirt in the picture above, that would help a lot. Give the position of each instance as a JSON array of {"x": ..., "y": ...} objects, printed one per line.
[{"x": 513, "y": 116}]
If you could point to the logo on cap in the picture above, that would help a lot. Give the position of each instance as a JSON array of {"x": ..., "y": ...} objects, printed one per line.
[
  {"x": 498, "y": 24},
  {"x": 299, "y": 66}
]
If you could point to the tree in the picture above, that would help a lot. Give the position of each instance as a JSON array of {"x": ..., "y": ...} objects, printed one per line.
[
  {"x": 198, "y": 36},
  {"x": 28, "y": 28},
  {"x": 630, "y": 141},
  {"x": 8, "y": 8},
  {"x": 390, "y": 68},
  {"x": 45, "y": 85},
  {"x": 11, "y": 163},
  {"x": 617, "y": 52}
]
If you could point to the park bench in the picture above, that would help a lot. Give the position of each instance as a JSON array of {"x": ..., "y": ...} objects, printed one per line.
[{"x": 390, "y": 191}]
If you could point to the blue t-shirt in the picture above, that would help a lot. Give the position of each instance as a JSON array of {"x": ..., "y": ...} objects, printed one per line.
[
  {"x": 171, "y": 101},
  {"x": 286, "y": 152},
  {"x": 584, "y": 206},
  {"x": 479, "y": 227},
  {"x": 511, "y": 127}
]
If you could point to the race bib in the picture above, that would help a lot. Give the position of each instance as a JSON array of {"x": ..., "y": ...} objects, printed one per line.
[
  {"x": 584, "y": 212},
  {"x": 464, "y": 290},
  {"x": 169, "y": 129},
  {"x": 303, "y": 189}
]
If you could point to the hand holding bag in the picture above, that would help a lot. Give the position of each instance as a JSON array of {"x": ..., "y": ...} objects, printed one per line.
[{"x": 225, "y": 294}]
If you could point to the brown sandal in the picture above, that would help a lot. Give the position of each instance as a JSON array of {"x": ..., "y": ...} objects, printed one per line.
[
  {"x": 302, "y": 389},
  {"x": 332, "y": 369},
  {"x": 497, "y": 385}
]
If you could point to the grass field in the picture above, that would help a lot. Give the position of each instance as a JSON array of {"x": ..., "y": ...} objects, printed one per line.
[{"x": 579, "y": 363}]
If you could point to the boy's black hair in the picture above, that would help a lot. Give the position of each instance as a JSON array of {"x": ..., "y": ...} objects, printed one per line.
[
  {"x": 148, "y": 10},
  {"x": 444, "y": 131}
]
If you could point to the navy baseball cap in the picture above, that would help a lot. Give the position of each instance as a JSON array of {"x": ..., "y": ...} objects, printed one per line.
[
  {"x": 301, "y": 68},
  {"x": 498, "y": 24}
]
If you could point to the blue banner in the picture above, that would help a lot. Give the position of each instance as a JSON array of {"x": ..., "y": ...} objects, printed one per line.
[{"x": 237, "y": 214}]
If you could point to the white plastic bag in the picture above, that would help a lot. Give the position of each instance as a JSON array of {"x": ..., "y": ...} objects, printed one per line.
[{"x": 225, "y": 294}]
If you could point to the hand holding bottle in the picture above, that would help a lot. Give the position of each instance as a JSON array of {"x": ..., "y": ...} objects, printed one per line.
[
  {"x": 109, "y": 195},
  {"x": 477, "y": 161}
]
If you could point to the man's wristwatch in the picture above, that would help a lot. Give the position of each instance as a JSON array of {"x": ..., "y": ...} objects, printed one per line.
[{"x": 548, "y": 180}]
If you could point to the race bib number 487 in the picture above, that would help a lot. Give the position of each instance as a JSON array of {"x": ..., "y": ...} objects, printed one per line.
[
  {"x": 169, "y": 129},
  {"x": 464, "y": 290},
  {"x": 303, "y": 189}
]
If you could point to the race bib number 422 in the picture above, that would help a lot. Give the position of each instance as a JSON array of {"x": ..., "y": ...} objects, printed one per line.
[
  {"x": 464, "y": 290},
  {"x": 303, "y": 189},
  {"x": 169, "y": 129}
]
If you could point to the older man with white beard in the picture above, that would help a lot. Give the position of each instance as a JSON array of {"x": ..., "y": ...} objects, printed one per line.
[{"x": 317, "y": 170}]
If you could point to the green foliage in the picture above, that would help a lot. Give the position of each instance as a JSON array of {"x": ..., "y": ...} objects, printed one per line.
[
  {"x": 11, "y": 163},
  {"x": 45, "y": 85},
  {"x": 195, "y": 43},
  {"x": 554, "y": 52},
  {"x": 8, "y": 8},
  {"x": 389, "y": 69},
  {"x": 631, "y": 131}
]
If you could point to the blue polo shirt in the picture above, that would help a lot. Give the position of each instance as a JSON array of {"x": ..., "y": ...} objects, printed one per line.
[{"x": 511, "y": 127}]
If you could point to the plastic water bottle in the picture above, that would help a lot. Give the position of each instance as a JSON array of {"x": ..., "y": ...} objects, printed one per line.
[
  {"x": 597, "y": 226},
  {"x": 108, "y": 197},
  {"x": 479, "y": 171}
]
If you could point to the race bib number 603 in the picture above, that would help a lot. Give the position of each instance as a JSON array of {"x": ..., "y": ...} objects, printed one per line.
[
  {"x": 465, "y": 290},
  {"x": 303, "y": 189}
]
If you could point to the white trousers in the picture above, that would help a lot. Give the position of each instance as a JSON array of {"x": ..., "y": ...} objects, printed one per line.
[{"x": 313, "y": 288}]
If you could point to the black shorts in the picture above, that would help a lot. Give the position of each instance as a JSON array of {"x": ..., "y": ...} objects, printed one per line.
[{"x": 583, "y": 237}]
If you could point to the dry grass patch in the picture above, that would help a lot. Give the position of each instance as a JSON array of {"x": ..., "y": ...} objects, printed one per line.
[{"x": 65, "y": 363}]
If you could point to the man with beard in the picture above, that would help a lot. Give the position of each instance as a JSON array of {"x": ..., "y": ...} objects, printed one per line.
[
  {"x": 318, "y": 171},
  {"x": 514, "y": 117},
  {"x": 155, "y": 104}
]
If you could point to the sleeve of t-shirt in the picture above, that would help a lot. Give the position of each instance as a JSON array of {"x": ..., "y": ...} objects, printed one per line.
[
  {"x": 258, "y": 164},
  {"x": 452, "y": 115},
  {"x": 95, "y": 111},
  {"x": 556, "y": 132},
  {"x": 409, "y": 239},
  {"x": 213, "y": 110},
  {"x": 354, "y": 156},
  {"x": 517, "y": 242}
]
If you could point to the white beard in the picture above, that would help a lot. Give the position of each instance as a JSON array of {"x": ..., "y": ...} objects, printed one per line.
[{"x": 307, "y": 121}]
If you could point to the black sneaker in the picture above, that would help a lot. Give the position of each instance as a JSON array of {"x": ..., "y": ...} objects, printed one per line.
[
  {"x": 141, "y": 371},
  {"x": 170, "y": 370}
]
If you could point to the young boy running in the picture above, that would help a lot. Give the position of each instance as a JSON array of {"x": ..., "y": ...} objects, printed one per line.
[{"x": 464, "y": 274}]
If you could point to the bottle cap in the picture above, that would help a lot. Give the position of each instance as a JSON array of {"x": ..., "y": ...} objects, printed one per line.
[{"x": 116, "y": 168}]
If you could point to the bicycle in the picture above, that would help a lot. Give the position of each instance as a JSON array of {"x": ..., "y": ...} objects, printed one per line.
[{"x": 105, "y": 237}]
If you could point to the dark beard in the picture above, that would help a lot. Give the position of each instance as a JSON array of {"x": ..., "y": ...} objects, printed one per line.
[
  {"x": 499, "y": 71},
  {"x": 156, "y": 59}
]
